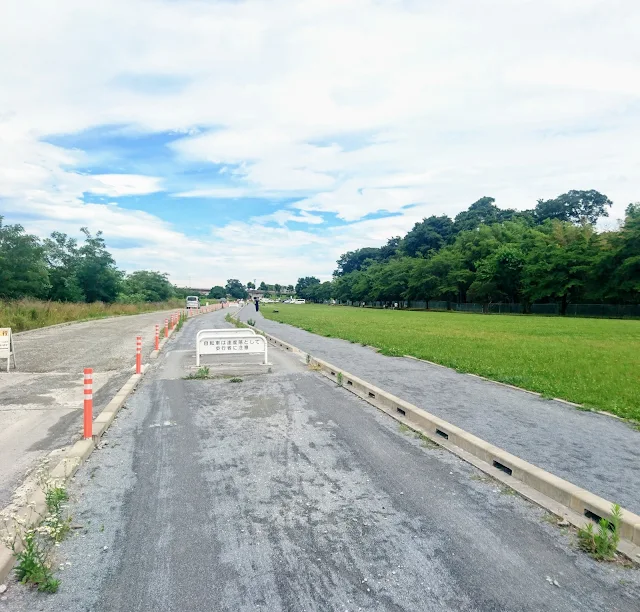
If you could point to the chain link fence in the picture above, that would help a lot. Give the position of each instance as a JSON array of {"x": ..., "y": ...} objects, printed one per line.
[{"x": 609, "y": 311}]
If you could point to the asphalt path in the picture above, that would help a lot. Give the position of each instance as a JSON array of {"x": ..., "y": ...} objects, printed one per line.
[
  {"x": 41, "y": 403},
  {"x": 284, "y": 492},
  {"x": 597, "y": 452}
]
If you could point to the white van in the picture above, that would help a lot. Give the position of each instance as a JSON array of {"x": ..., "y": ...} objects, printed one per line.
[
  {"x": 298, "y": 301},
  {"x": 193, "y": 301}
]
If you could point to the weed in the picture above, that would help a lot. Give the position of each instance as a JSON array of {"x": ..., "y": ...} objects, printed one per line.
[
  {"x": 404, "y": 429},
  {"x": 33, "y": 563},
  {"x": 55, "y": 524},
  {"x": 101, "y": 528},
  {"x": 602, "y": 543},
  {"x": 340, "y": 379},
  {"x": 505, "y": 490},
  {"x": 201, "y": 374},
  {"x": 426, "y": 441},
  {"x": 235, "y": 379},
  {"x": 251, "y": 322},
  {"x": 308, "y": 359},
  {"x": 22, "y": 315}
]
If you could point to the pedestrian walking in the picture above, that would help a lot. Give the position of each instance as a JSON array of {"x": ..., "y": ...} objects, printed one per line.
[{"x": 257, "y": 301}]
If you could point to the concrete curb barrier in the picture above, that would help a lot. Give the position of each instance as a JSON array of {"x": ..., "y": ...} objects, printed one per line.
[
  {"x": 68, "y": 466},
  {"x": 556, "y": 495}
]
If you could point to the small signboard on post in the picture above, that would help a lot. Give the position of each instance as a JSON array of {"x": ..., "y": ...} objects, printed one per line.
[
  {"x": 230, "y": 342},
  {"x": 7, "y": 350}
]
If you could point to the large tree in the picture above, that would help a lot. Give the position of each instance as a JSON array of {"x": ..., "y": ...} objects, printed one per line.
[
  {"x": 150, "y": 286},
  {"x": 98, "y": 277},
  {"x": 304, "y": 284},
  {"x": 217, "y": 293},
  {"x": 575, "y": 206},
  {"x": 63, "y": 260},
  {"x": 560, "y": 263},
  {"x": 236, "y": 289},
  {"x": 431, "y": 234},
  {"x": 23, "y": 269}
]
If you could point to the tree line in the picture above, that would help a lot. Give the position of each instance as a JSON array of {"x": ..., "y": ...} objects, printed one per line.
[
  {"x": 60, "y": 269},
  {"x": 551, "y": 253}
]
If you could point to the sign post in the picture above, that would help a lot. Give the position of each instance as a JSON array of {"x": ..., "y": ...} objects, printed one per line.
[{"x": 7, "y": 349}]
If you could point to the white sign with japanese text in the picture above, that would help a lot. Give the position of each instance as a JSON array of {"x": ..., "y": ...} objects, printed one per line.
[
  {"x": 230, "y": 342},
  {"x": 6, "y": 346}
]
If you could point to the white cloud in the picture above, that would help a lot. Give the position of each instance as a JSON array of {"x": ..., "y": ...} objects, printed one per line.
[
  {"x": 125, "y": 184},
  {"x": 351, "y": 106}
]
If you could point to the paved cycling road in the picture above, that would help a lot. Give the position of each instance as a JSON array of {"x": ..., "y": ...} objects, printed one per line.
[
  {"x": 287, "y": 493},
  {"x": 594, "y": 451}
]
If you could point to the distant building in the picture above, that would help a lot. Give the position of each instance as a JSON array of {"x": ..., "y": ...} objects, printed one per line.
[{"x": 255, "y": 293}]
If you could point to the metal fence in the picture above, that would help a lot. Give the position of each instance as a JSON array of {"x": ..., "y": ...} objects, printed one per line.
[{"x": 610, "y": 311}]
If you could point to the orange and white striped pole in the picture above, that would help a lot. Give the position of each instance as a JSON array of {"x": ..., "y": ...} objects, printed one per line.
[
  {"x": 139, "y": 355},
  {"x": 88, "y": 403},
  {"x": 157, "y": 337},
  {"x": 166, "y": 328}
]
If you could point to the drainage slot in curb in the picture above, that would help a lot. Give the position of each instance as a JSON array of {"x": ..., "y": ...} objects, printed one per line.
[
  {"x": 592, "y": 515},
  {"x": 442, "y": 433},
  {"x": 401, "y": 411},
  {"x": 333, "y": 373},
  {"x": 371, "y": 394},
  {"x": 349, "y": 382},
  {"x": 502, "y": 468}
]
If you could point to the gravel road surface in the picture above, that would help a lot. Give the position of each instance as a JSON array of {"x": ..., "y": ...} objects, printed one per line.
[
  {"x": 286, "y": 493},
  {"x": 41, "y": 403},
  {"x": 596, "y": 452}
]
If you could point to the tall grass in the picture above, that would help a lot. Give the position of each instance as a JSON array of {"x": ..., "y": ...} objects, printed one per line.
[
  {"x": 23, "y": 315},
  {"x": 594, "y": 362}
]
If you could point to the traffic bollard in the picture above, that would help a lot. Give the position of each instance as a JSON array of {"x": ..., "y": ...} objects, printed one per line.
[
  {"x": 139, "y": 355},
  {"x": 88, "y": 403},
  {"x": 157, "y": 337}
]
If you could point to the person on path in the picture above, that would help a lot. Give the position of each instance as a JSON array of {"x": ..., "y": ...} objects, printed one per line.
[{"x": 257, "y": 304}]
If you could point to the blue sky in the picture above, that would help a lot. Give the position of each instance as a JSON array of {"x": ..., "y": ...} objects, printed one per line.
[{"x": 262, "y": 139}]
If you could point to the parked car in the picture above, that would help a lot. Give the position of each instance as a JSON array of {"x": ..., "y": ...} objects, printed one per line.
[
  {"x": 193, "y": 301},
  {"x": 299, "y": 301}
]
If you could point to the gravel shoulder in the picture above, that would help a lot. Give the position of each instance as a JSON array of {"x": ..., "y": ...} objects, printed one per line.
[
  {"x": 285, "y": 492},
  {"x": 41, "y": 402},
  {"x": 593, "y": 451}
]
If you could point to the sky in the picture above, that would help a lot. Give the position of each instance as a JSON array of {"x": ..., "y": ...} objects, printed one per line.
[{"x": 260, "y": 139}]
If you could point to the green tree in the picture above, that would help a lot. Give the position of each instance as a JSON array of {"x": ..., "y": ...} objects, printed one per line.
[
  {"x": 63, "y": 260},
  {"x": 250, "y": 286},
  {"x": 236, "y": 289},
  {"x": 150, "y": 286},
  {"x": 575, "y": 206},
  {"x": 217, "y": 293},
  {"x": 303, "y": 285},
  {"x": 98, "y": 277},
  {"x": 431, "y": 234},
  {"x": 560, "y": 262},
  {"x": 618, "y": 267},
  {"x": 23, "y": 269},
  {"x": 263, "y": 286},
  {"x": 390, "y": 280},
  {"x": 278, "y": 288},
  {"x": 498, "y": 276}
]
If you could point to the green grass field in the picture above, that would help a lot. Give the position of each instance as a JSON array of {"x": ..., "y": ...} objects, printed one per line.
[{"x": 595, "y": 362}]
